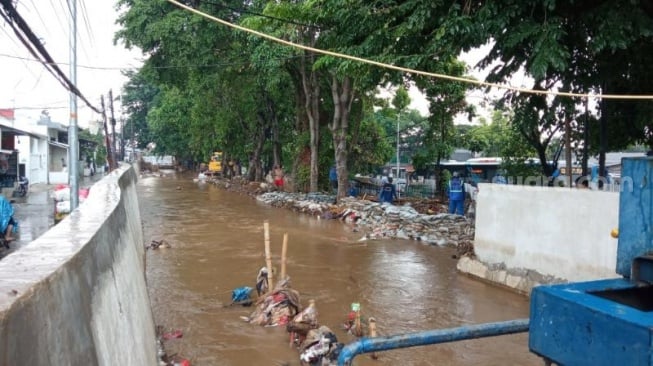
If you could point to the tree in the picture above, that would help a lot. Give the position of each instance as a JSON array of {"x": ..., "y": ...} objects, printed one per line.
[
  {"x": 138, "y": 97},
  {"x": 602, "y": 46}
]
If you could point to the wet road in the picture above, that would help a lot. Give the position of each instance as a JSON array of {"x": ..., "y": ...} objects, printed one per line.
[{"x": 217, "y": 245}]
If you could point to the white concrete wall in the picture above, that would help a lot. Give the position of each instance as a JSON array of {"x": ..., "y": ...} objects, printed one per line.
[
  {"x": 77, "y": 295},
  {"x": 557, "y": 232}
]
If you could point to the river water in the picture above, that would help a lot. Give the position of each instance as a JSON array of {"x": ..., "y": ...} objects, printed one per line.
[{"x": 217, "y": 245}]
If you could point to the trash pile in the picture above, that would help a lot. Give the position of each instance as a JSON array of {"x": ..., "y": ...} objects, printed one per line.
[
  {"x": 311, "y": 203},
  {"x": 317, "y": 344},
  {"x": 281, "y": 306},
  {"x": 164, "y": 359},
  {"x": 61, "y": 196},
  {"x": 277, "y": 308},
  {"x": 379, "y": 221}
]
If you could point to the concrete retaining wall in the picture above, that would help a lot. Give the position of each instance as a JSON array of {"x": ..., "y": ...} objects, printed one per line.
[
  {"x": 77, "y": 295},
  {"x": 530, "y": 235}
]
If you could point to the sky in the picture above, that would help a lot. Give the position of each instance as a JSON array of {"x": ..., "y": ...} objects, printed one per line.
[{"x": 29, "y": 88}]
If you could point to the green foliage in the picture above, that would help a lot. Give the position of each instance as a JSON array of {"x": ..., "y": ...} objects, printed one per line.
[
  {"x": 95, "y": 148},
  {"x": 371, "y": 150},
  {"x": 205, "y": 86}
]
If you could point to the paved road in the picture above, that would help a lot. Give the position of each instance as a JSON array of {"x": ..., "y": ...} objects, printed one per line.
[{"x": 35, "y": 213}]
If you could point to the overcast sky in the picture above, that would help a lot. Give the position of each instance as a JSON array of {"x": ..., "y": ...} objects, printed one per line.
[{"x": 29, "y": 88}]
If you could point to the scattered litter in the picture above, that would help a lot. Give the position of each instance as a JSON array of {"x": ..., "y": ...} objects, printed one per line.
[
  {"x": 158, "y": 244},
  {"x": 173, "y": 335},
  {"x": 240, "y": 296}
]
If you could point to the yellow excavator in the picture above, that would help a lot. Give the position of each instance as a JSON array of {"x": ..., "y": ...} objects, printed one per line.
[{"x": 215, "y": 165}]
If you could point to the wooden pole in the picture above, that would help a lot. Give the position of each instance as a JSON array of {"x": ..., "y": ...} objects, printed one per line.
[
  {"x": 284, "y": 252},
  {"x": 268, "y": 256},
  {"x": 371, "y": 327}
]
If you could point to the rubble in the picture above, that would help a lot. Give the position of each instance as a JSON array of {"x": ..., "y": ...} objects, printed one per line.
[
  {"x": 378, "y": 221},
  {"x": 423, "y": 220}
]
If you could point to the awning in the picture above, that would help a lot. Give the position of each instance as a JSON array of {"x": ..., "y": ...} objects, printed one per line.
[
  {"x": 58, "y": 144},
  {"x": 21, "y": 132}
]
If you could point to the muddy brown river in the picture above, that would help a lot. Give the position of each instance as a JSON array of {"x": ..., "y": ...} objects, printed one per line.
[{"x": 217, "y": 245}]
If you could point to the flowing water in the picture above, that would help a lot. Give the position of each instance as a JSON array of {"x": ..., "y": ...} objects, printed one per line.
[{"x": 217, "y": 245}]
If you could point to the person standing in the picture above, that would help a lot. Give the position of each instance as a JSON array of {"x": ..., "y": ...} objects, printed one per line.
[
  {"x": 388, "y": 192},
  {"x": 333, "y": 178},
  {"x": 277, "y": 172},
  {"x": 456, "y": 191}
]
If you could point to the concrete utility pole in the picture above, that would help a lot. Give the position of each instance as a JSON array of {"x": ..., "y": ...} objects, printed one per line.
[
  {"x": 107, "y": 143},
  {"x": 114, "y": 140},
  {"x": 73, "y": 143}
]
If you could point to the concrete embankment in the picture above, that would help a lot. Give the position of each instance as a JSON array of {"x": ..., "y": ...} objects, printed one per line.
[
  {"x": 77, "y": 295},
  {"x": 528, "y": 236}
]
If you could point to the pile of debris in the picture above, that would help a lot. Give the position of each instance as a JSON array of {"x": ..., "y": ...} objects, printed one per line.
[{"x": 378, "y": 221}]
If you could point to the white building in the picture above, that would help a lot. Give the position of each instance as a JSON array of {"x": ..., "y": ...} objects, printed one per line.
[{"x": 40, "y": 149}]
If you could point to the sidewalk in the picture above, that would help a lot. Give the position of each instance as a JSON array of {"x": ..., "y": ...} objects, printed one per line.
[{"x": 35, "y": 212}]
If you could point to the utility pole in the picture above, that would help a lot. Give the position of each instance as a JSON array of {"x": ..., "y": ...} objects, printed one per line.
[
  {"x": 122, "y": 138},
  {"x": 107, "y": 143},
  {"x": 113, "y": 130},
  {"x": 568, "y": 162},
  {"x": 586, "y": 139},
  {"x": 73, "y": 143},
  {"x": 397, "y": 177}
]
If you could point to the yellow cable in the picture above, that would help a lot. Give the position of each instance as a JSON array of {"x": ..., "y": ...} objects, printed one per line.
[{"x": 412, "y": 71}]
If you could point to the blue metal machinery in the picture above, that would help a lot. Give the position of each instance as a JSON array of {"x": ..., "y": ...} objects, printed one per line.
[{"x": 606, "y": 322}]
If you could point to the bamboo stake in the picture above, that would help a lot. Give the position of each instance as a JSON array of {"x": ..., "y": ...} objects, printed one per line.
[
  {"x": 284, "y": 252},
  {"x": 371, "y": 327},
  {"x": 268, "y": 256}
]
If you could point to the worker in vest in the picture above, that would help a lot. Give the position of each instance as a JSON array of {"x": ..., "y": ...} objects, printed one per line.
[
  {"x": 456, "y": 192},
  {"x": 388, "y": 192}
]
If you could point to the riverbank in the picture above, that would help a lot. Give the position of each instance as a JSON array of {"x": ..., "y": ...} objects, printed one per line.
[{"x": 421, "y": 220}]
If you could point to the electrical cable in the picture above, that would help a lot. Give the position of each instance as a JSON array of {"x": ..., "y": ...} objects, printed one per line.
[
  {"x": 22, "y": 29},
  {"x": 111, "y": 68},
  {"x": 408, "y": 70}
]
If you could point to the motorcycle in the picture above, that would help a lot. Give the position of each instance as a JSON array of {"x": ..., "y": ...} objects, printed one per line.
[{"x": 23, "y": 187}]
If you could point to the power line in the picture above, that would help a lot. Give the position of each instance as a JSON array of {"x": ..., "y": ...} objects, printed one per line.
[
  {"x": 408, "y": 70},
  {"x": 87, "y": 23},
  {"x": 112, "y": 68},
  {"x": 22, "y": 30},
  {"x": 80, "y": 43}
]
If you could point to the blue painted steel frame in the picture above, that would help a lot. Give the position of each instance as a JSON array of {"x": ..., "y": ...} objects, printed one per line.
[
  {"x": 635, "y": 212},
  {"x": 570, "y": 326},
  {"x": 367, "y": 345}
]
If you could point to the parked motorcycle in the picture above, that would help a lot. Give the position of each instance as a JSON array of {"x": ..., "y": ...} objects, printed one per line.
[{"x": 23, "y": 187}]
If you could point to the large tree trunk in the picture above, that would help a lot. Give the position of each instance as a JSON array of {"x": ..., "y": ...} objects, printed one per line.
[
  {"x": 343, "y": 96},
  {"x": 311, "y": 86},
  {"x": 274, "y": 120},
  {"x": 255, "y": 172}
]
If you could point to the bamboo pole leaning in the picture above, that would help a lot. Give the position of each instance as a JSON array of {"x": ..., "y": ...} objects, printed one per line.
[{"x": 268, "y": 255}]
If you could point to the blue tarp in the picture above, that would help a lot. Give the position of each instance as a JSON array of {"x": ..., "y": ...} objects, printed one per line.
[
  {"x": 241, "y": 294},
  {"x": 6, "y": 212}
]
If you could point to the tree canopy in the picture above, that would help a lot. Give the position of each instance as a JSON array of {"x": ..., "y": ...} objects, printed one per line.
[{"x": 205, "y": 86}]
